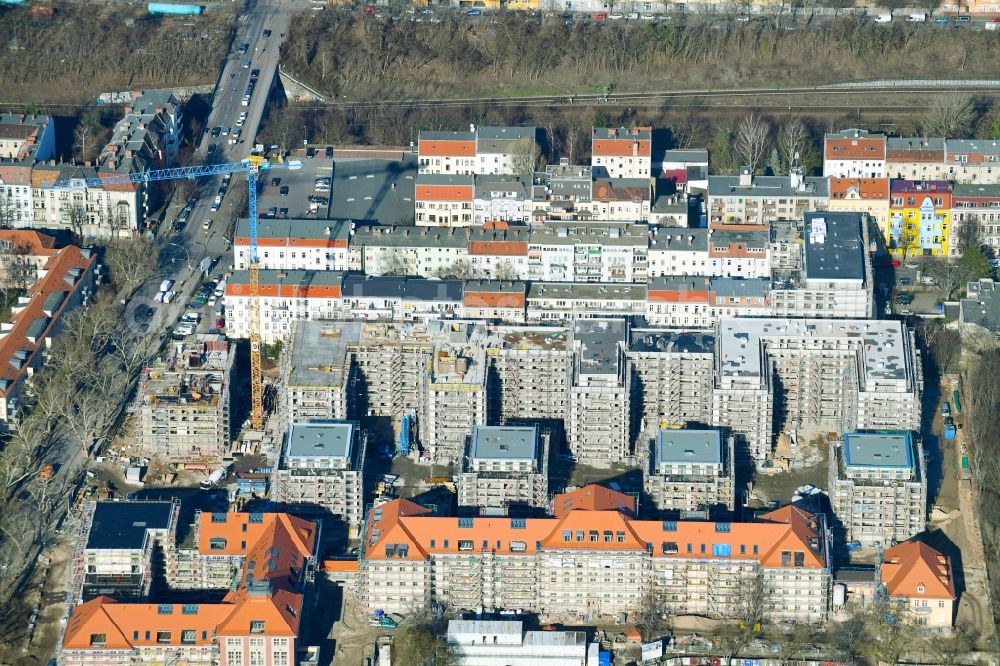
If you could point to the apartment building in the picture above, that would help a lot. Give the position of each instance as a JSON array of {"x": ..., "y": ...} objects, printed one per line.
[
  {"x": 836, "y": 275},
  {"x": 976, "y": 206},
  {"x": 444, "y": 200},
  {"x": 569, "y": 301},
  {"x": 147, "y": 137},
  {"x": 114, "y": 551},
  {"x": 447, "y": 152},
  {"x": 224, "y": 551},
  {"x": 916, "y": 159},
  {"x": 184, "y": 401},
  {"x": 321, "y": 471},
  {"x": 622, "y": 152},
  {"x": 456, "y": 400},
  {"x": 854, "y": 154},
  {"x": 505, "y": 470},
  {"x": 506, "y": 150},
  {"x": 406, "y": 250},
  {"x": 294, "y": 244},
  {"x": 502, "y": 198},
  {"x": 498, "y": 251},
  {"x": 760, "y": 200},
  {"x": 686, "y": 169},
  {"x": 699, "y": 302},
  {"x": 285, "y": 298},
  {"x": 480, "y": 151},
  {"x": 534, "y": 367},
  {"x": 495, "y": 300},
  {"x": 489, "y": 642},
  {"x": 838, "y": 374},
  {"x": 691, "y": 470},
  {"x": 616, "y": 199},
  {"x": 256, "y": 622},
  {"x": 23, "y": 256},
  {"x": 724, "y": 251},
  {"x": 671, "y": 374},
  {"x": 600, "y": 398},
  {"x": 921, "y": 582},
  {"x": 25, "y": 140},
  {"x": 400, "y": 299},
  {"x": 592, "y": 563},
  {"x": 316, "y": 370},
  {"x": 673, "y": 210},
  {"x": 878, "y": 486},
  {"x": 588, "y": 252},
  {"x": 920, "y": 218},
  {"x": 979, "y": 311},
  {"x": 867, "y": 196},
  {"x": 65, "y": 282},
  {"x": 973, "y": 161},
  {"x": 563, "y": 190}
]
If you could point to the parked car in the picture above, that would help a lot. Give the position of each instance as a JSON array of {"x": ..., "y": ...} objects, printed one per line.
[
  {"x": 283, "y": 191},
  {"x": 329, "y": 151},
  {"x": 275, "y": 181},
  {"x": 905, "y": 281}
]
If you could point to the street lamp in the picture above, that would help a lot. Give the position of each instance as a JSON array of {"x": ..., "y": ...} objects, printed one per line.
[{"x": 187, "y": 255}]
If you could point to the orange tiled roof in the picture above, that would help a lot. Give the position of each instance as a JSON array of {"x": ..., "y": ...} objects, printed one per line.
[
  {"x": 493, "y": 299},
  {"x": 911, "y": 566},
  {"x": 448, "y": 148},
  {"x": 276, "y": 544},
  {"x": 863, "y": 188},
  {"x": 772, "y": 541},
  {"x": 54, "y": 281},
  {"x": 592, "y": 498},
  {"x": 425, "y": 192},
  {"x": 35, "y": 241},
  {"x": 860, "y": 148}
]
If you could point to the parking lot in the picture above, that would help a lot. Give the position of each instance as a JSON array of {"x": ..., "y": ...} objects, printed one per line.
[{"x": 301, "y": 184}]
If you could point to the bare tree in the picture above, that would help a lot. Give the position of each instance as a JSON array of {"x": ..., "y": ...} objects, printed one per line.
[
  {"x": 950, "y": 116},
  {"x": 18, "y": 269},
  {"x": 131, "y": 261},
  {"x": 950, "y": 649},
  {"x": 461, "y": 269},
  {"x": 525, "y": 158},
  {"x": 654, "y": 617},
  {"x": 80, "y": 141},
  {"x": 8, "y": 211},
  {"x": 792, "y": 141},
  {"x": 753, "y": 137},
  {"x": 76, "y": 216},
  {"x": 505, "y": 271}
]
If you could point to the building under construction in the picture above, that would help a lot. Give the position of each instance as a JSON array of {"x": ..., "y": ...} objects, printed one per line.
[
  {"x": 836, "y": 374},
  {"x": 878, "y": 486},
  {"x": 671, "y": 374},
  {"x": 691, "y": 470},
  {"x": 184, "y": 408},
  {"x": 600, "y": 398},
  {"x": 321, "y": 470},
  {"x": 505, "y": 470}
]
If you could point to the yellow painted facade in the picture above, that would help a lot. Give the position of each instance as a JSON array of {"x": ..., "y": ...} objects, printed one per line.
[{"x": 921, "y": 229}]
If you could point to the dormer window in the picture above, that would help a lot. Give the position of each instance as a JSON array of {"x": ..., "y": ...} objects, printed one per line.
[{"x": 920, "y": 589}]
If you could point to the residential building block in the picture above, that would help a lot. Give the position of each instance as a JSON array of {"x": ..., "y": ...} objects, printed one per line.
[
  {"x": 691, "y": 470},
  {"x": 505, "y": 469}
]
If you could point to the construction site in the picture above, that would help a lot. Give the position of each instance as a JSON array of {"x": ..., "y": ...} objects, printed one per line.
[{"x": 184, "y": 402}]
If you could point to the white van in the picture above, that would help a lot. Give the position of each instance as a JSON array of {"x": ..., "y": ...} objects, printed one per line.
[
  {"x": 884, "y": 18},
  {"x": 917, "y": 17}
]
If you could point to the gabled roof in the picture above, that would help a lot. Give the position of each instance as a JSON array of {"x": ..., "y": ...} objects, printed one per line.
[
  {"x": 859, "y": 188},
  {"x": 786, "y": 538},
  {"x": 124, "y": 626},
  {"x": 592, "y": 498},
  {"x": 280, "y": 610},
  {"x": 914, "y": 569}
]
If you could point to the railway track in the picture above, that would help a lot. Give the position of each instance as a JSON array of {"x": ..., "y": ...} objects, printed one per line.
[{"x": 752, "y": 98}]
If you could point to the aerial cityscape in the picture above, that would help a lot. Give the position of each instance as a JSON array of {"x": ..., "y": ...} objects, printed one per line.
[{"x": 499, "y": 333}]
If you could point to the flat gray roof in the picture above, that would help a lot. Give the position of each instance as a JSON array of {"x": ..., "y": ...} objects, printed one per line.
[
  {"x": 587, "y": 291},
  {"x": 881, "y": 342},
  {"x": 677, "y": 342},
  {"x": 834, "y": 246},
  {"x": 298, "y": 278},
  {"x": 599, "y": 339},
  {"x": 504, "y": 443},
  {"x": 863, "y": 449},
  {"x": 768, "y": 186},
  {"x": 319, "y": 352},
  {"x": 699, "y": 447},
  {"x": 740, "y": 287},
  {"x": 557, "y": 232},
  {"x": 320, "y": 439},
  {"x": 378, "y": 235},
  {"x": 964, "y": 190},
  {"x": 297, "y": 228},
  {"x": 680, "y": 239},
  {"x": 981, "y": 306},
  {"x": 374, "y": 189},
  {"x": 123, "y": 525}
]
